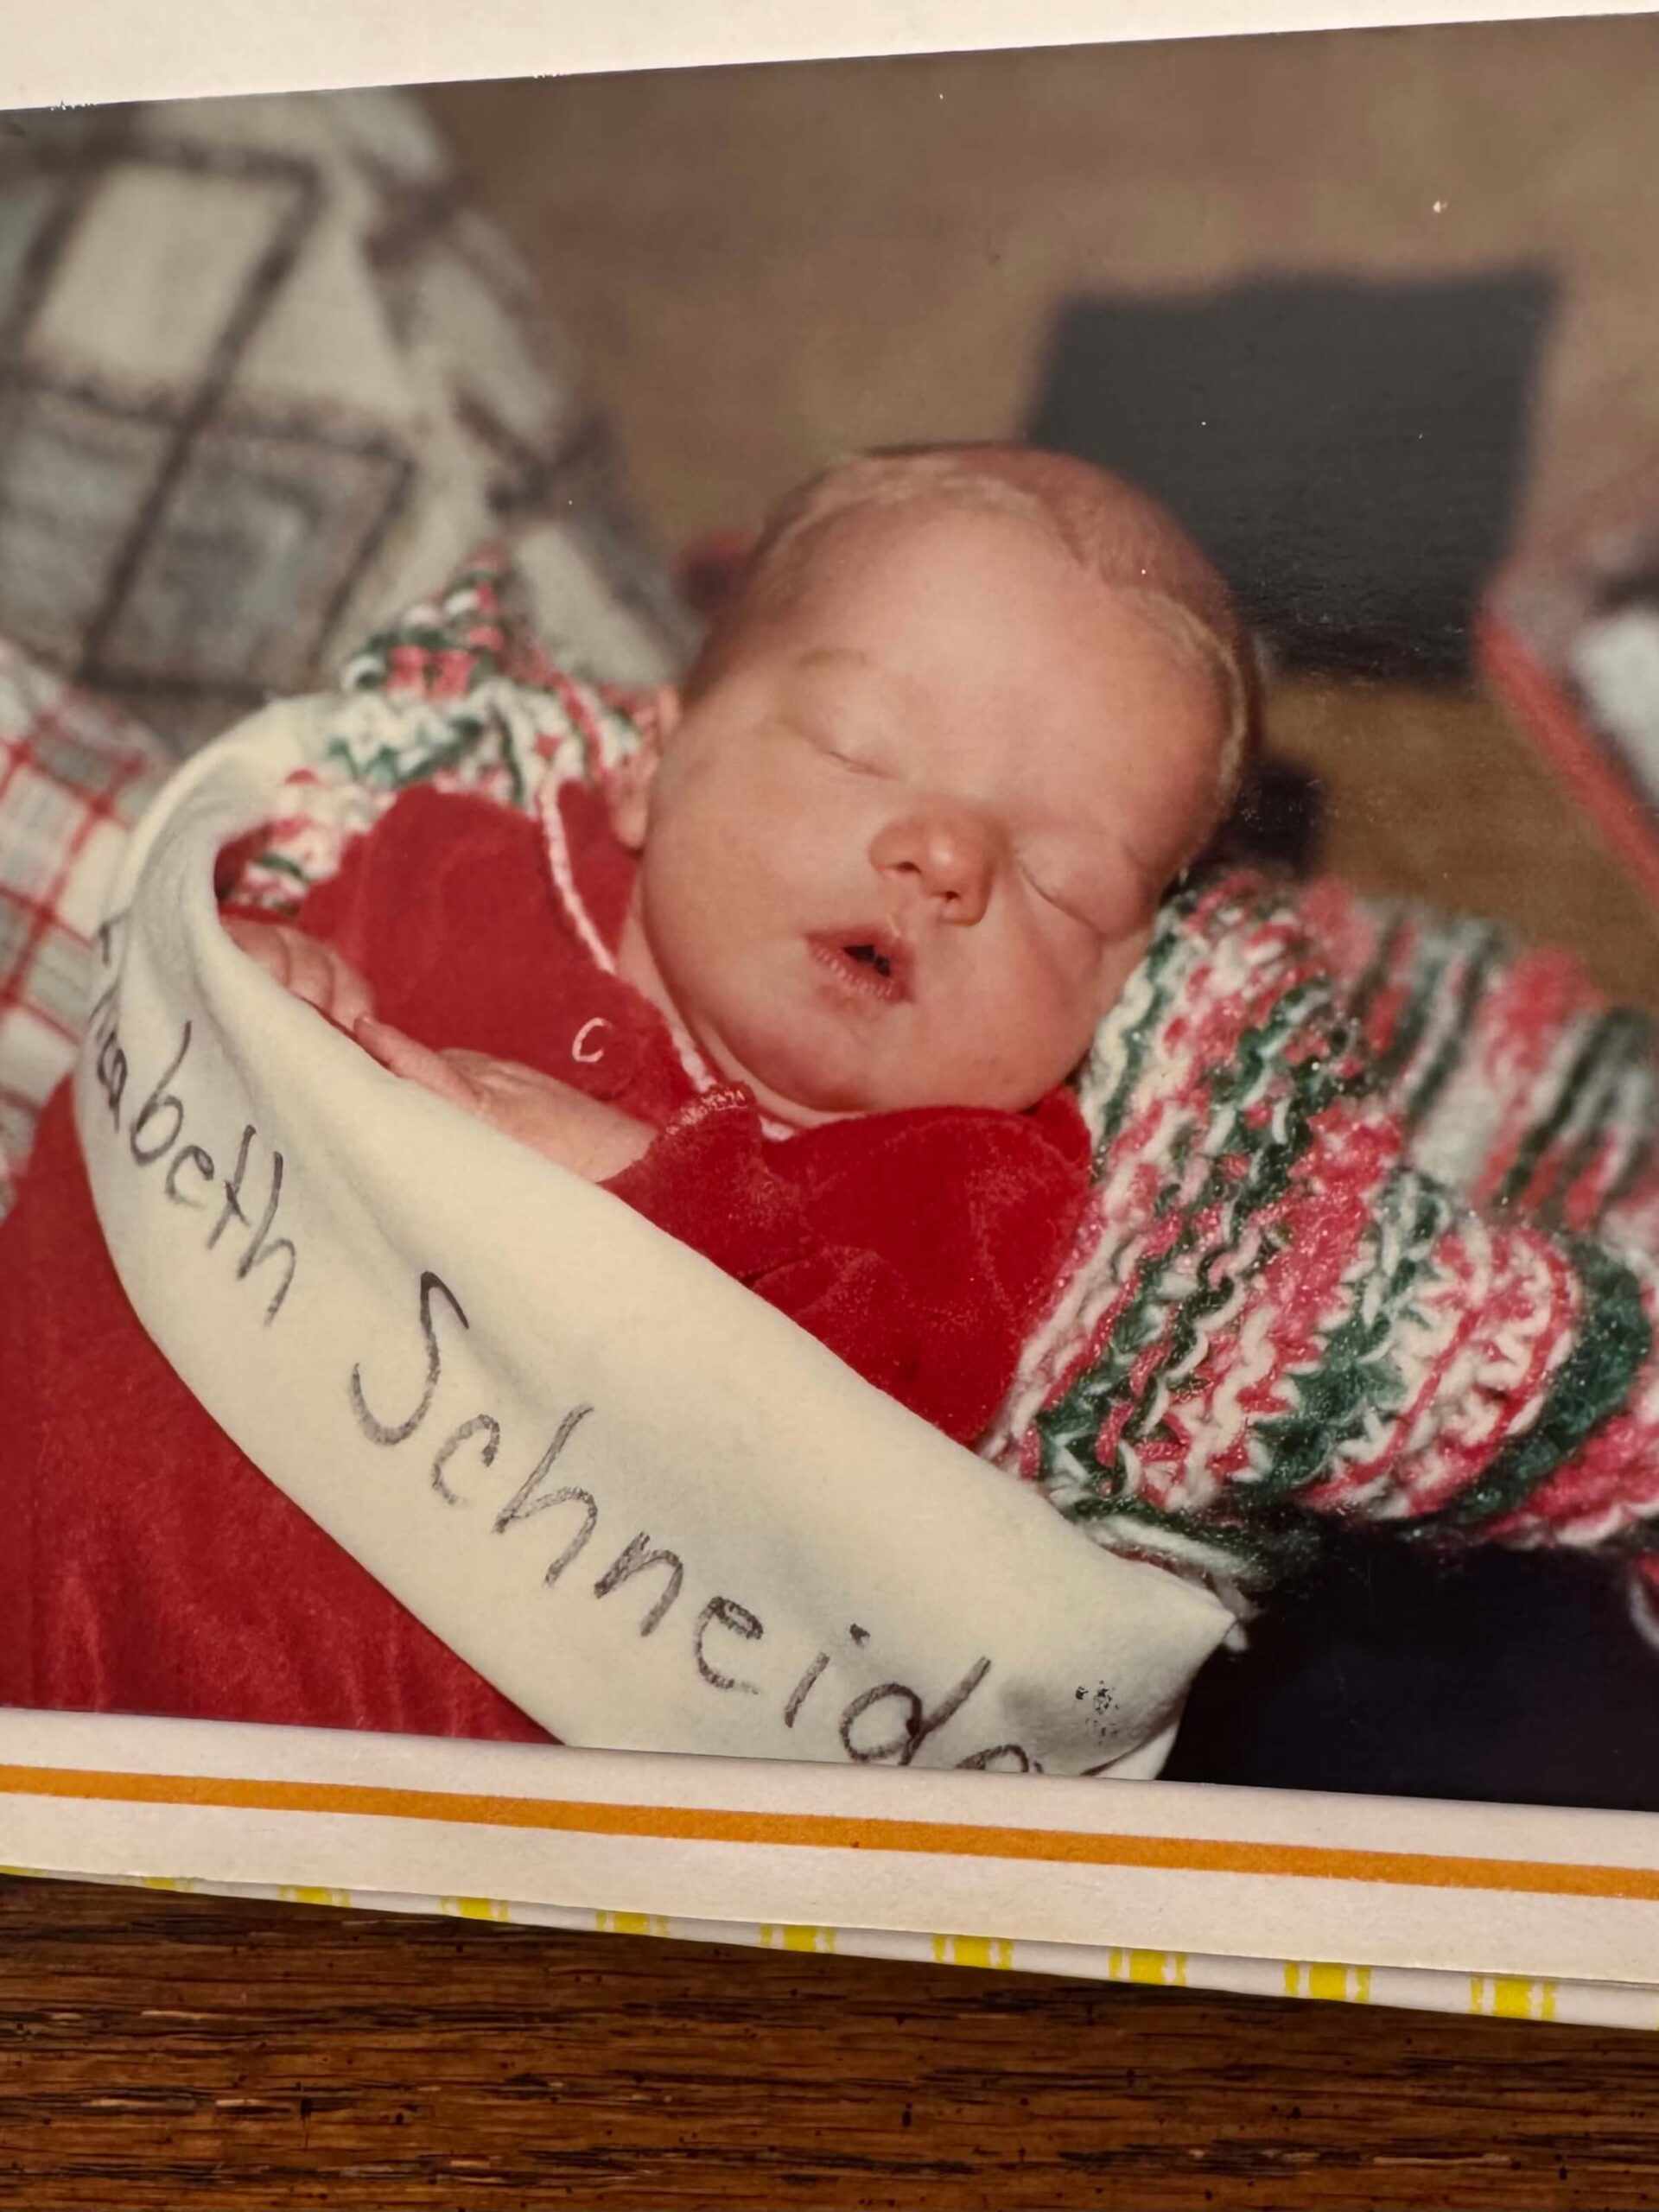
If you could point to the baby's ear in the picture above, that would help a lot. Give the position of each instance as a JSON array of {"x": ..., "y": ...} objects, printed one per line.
[{"x": 630, "y": 794}]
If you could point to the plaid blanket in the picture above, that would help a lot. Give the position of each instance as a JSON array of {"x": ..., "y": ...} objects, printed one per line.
[
  {"x": 264, "y": 374},
  {"x": 74, "y": 776}
]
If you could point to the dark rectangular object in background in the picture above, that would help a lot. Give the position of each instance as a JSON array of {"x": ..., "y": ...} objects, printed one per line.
[{"x": 1348, "y": 451}]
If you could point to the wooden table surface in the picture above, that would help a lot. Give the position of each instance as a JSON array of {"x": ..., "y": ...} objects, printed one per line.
[{"x": 179, "y": 2051}]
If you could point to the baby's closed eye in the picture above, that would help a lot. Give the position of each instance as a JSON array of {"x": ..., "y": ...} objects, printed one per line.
[
  {"x": 841, "y": 748},
  {"x": 1070, "y": 895}
]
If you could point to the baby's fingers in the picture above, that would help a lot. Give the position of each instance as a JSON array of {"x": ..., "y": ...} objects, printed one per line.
[
  {"x": 350, "y": 999},
  {"x": 265, "y": 942},
  {"x": 402, "y": 1056}
]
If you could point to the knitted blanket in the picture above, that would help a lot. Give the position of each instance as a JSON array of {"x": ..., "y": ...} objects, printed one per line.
[{"x": 1280, "y": 1313}]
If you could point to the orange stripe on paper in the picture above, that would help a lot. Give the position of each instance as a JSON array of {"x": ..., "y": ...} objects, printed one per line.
[{"x": 836, "y": 1832}]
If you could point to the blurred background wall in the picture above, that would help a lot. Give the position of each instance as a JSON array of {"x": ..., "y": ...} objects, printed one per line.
[{"x": 765, "y": 266}]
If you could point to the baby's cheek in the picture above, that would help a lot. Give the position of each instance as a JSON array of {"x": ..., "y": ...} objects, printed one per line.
[
  {"x": 1031, "y": 1004},
  {"x": 1087, "y": 988},
  {"x": 701, "y": 870},
  {"x": 758, "y": 837},
  {"x": 1115, "y": 966}
]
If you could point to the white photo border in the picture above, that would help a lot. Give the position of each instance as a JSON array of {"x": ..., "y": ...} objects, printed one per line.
[
  {"x": 1174, "y": 1867},
  {"x": 99, "y": 51}
]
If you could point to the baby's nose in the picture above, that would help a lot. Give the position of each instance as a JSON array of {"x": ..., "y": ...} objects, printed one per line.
[{"x": 945, "y": 854}]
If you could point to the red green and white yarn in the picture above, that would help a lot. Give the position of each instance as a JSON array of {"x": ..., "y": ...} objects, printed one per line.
[
  {"x": 1275, "y": 1316},
  {"x": 447, "y": 695},
  {"x": 1519, "y": 1086}
]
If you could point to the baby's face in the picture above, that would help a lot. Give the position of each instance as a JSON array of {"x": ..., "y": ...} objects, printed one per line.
[{"x": 908, "y": 846}]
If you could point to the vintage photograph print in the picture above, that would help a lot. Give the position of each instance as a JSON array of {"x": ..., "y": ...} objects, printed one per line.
[{"x": 828, "y": 918}]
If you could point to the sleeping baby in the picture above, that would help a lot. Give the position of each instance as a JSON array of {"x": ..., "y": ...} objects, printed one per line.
[
  {"x": 1217, "y": 1209},
  {"x": 875, "y": 878},
  {"x": 1216, "y": 1212}
]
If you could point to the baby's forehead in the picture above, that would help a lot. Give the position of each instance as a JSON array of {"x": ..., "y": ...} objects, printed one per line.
[
  {"x": 853, "y": 575},
  {"x": 916, "y": 540},
  {"x": 918, "y": 531}
]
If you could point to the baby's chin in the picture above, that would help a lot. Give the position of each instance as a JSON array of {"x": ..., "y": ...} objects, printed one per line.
[
  {"x": 790, "y": 1082},
  {"x": 796, "y": 1080}
]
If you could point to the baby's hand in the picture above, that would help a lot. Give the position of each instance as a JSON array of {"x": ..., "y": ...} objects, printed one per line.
[
  {"x": 565, "y": 1125},
  {"x": 311, "y": 970}
]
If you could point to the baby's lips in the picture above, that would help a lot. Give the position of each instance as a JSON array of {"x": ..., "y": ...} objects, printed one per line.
[{"x": 876, "y": 950}]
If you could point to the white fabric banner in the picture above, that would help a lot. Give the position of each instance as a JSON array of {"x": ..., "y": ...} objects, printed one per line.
[{"x": 653, "y": 1512}]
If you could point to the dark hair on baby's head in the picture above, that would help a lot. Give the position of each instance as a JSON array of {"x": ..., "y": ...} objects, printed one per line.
[{"x": 1114, "y": 532}]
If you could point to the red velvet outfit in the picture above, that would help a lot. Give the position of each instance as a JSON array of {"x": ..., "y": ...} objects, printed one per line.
[{"x": 148, "y": 1567}]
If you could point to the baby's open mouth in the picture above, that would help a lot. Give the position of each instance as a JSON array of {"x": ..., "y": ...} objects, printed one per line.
[{"x": 871, "y": 962}]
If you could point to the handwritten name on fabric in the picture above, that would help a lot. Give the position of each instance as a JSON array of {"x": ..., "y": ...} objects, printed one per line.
[
  {"x": 647, "y": 1507},
  {"x": 190, "y": 1170}
]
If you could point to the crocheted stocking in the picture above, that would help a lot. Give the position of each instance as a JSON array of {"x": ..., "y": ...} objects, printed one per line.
[{"x": 1276, "y": 1316}]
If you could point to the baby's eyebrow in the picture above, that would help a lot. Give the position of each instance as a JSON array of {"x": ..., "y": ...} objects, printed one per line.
[
  {"x": 834, "y": 657},
  {"x": 852, "y": 676}
]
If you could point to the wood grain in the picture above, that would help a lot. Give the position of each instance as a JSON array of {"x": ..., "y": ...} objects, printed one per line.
[{"x": 182, "y": 2051}]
